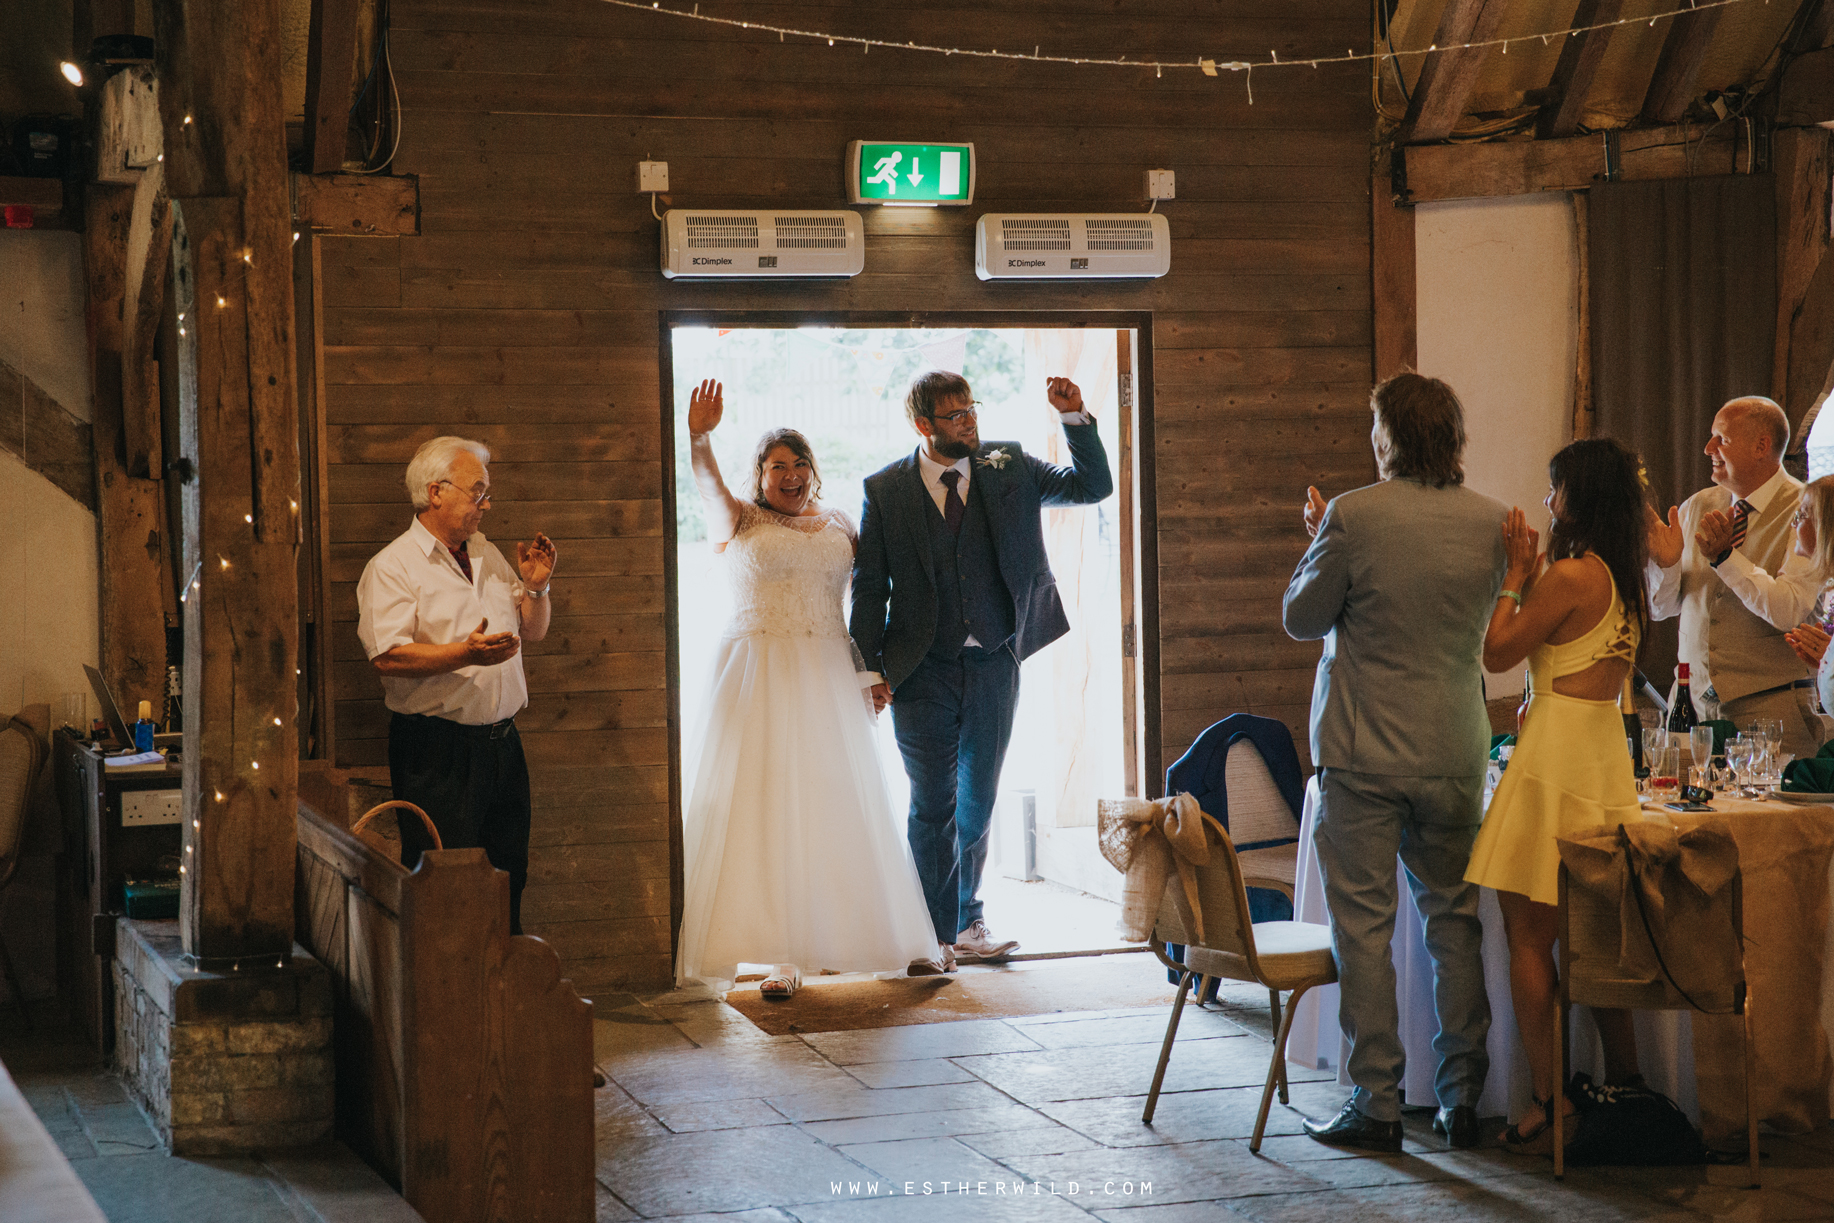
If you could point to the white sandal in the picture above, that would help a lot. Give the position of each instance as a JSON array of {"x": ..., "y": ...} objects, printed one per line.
[{"x": 782, "y": 984}]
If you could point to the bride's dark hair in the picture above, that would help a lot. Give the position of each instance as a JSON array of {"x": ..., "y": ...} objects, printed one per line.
[
  {"x": 1598, "y": 485},
  {"x": 797, "y": 445}
]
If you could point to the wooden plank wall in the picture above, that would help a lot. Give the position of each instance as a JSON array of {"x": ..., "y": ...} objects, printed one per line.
[{"x": 527, "y": 314}]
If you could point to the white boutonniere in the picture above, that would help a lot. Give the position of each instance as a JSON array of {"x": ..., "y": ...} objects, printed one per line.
[{"x": 995, "y": 459}]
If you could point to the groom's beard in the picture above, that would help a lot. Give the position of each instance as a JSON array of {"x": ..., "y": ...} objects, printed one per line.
[{"x": 952, "y": 450}]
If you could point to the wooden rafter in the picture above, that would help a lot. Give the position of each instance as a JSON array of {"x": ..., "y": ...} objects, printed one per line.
[
  {"x": 1580, "y": 57},
  {"x": 1476, "y": 171},
  {"x": 1678, "y": 67},
  {"x": 1447, "y": 78}
]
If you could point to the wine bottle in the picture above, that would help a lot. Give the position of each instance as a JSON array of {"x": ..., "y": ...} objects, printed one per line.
[{"x": 1681, "y": 715}]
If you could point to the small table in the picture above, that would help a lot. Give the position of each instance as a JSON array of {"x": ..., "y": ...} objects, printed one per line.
[{"x": 1786, "y": 852}]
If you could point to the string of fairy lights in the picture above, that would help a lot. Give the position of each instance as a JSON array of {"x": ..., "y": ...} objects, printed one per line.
[{"x": 1207, "y": 66}]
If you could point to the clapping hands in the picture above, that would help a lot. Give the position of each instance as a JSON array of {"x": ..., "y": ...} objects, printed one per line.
[
  {"x": 1314, "y": 511},
  {"x": 1665, "y": 539},
  {"x": 1522, "y": 546},
  {"x": 1810, "y": 641},
  {"x": 1715, "y": 533}
]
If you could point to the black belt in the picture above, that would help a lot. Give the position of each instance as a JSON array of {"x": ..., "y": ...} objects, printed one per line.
[
  {"x": 485, "y": 730},
  {"x": 1800, "y": 683}
]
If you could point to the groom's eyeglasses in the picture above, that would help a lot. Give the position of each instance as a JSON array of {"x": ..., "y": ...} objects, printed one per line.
[{"x": 968, "y": 413}]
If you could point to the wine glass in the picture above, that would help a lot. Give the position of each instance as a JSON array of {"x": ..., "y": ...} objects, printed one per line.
[
  {"x": 1700, "y": 744},
  {"x": 1739, "y": 750}
]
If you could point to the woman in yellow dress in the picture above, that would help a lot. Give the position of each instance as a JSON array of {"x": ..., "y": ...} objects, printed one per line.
[{"x": 1578, "y": 623}]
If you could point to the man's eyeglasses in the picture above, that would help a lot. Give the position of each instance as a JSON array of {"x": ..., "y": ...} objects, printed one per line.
[
  {"x": 476, "y": 498},
  {"x": 968, "y": 413}
]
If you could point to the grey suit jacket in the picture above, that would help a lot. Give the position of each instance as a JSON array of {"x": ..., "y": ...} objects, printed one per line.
[
  {"x": 893, "y": 618},
  {"x": 1400, "y": 583}
]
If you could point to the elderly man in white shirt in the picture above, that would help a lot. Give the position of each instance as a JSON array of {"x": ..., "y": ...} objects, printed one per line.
[
  {"x": 427, "y": 607},
  {"x": 1701, "y": 560}
]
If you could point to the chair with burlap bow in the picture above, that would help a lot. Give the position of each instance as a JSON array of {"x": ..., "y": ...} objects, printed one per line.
[
  {"x": 1182, "y": 870},
  {"x": 1653, "y": 920}
]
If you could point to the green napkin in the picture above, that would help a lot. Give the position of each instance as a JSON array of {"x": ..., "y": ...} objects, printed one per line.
[
  {"x": 1497, "y": 741},
  {"x": 1723, "y": 729},
  {"x": 1814, "y": 775}
]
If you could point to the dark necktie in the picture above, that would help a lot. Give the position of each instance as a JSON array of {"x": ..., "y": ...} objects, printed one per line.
[
  {"x": 462, "y": 554},
  {"x": 952, "y": 506},
  {"x": 1741, "y": 522}
]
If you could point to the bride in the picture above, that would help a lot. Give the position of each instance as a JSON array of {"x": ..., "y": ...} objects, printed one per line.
[{"x": 793, "y": 856}]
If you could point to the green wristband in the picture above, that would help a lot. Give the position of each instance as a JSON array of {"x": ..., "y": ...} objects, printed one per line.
[{"x": 1510, "y": 594}]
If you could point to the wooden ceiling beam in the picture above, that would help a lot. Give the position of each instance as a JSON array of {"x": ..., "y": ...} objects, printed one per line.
[
  {"x": 1479, "y": 171},
  {"x": 1678, "y": 67},
  {"x": 1447, "y": 77},
  {"x": 1580, "y": 57}
]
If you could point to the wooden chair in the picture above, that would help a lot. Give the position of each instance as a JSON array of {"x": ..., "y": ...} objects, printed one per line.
[
  {"x": 1590, "y": 933},
  {"x": 1281, "y": 955},
  {"x": 22, "y": 756}
]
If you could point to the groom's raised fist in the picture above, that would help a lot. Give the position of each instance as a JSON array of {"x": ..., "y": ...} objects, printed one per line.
[{"x": 1063, "y": 395}]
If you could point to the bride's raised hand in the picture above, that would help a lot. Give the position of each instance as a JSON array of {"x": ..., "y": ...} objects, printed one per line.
[{"x": 705, "y": 407}]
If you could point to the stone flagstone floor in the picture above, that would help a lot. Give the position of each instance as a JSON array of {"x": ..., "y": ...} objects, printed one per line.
[{"x": 1039, "y": 1118}]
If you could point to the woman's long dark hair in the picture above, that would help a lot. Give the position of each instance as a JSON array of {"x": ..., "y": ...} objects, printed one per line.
[{"x": 1598, "y": 485}]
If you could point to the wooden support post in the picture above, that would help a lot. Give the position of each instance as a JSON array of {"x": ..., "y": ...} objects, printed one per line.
[
  {"x": 1447, "y": 78},
  {"x": 220, "y": 103},
  {"x": 1802, "y": 167},
  {"x": 1678, "y": 67},
  {"x": 331, "y": 51},
  {"x": 149, "y": 254},
  {"x": 1585, "y": 414},
  {"x": 1580, "y": 58},
  {"x": 1397, "y": 345},
  {"x": 130, "y": 515}
]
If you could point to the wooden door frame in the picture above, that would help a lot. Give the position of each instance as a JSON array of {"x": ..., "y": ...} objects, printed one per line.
[{"x": 1146, "y": 607}]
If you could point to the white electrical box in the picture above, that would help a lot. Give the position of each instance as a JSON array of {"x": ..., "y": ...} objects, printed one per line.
[
  {"x": 141, "y": 808},
  {"x": 652, "y": 176},
  {"x": 1161, "y": 185}
]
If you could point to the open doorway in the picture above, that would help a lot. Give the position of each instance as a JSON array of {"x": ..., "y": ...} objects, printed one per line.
[{"x": 1080, "y": 730}]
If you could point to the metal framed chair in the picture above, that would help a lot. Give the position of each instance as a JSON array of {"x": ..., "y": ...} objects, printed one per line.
[
  {"x": 1591, "y": 934},
  {"x": 1280, "y": 955}
]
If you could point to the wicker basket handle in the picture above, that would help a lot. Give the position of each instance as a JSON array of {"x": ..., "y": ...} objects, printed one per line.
[{"x": 379, "y": 808}]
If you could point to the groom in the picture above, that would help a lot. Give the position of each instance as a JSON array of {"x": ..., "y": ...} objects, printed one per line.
[{"x": 951, "y": 592}]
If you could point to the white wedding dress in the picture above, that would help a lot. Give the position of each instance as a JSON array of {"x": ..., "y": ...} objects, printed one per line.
[{"x": 793, "y": 854}]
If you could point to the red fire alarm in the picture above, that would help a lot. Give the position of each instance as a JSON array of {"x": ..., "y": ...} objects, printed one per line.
[{"x": 19, "y": 216}]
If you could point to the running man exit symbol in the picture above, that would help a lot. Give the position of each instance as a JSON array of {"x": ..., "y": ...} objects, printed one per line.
[{"x": 889, "y": 173}]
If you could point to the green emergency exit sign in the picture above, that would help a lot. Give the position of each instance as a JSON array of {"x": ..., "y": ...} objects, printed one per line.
[{"x": 880, "y": 172}]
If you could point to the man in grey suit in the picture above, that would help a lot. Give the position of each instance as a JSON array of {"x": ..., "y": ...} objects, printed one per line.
[
  {"x": 1400, "y": 581},
  {"x": 952, "y": 590}
]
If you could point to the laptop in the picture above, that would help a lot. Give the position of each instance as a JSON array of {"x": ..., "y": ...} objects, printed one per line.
[{"x": 111, "y": 714}]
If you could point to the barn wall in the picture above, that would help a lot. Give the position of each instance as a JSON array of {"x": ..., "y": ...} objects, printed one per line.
[{"x": 527, "y": 313}]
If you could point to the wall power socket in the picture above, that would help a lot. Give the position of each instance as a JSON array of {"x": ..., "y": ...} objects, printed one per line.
[{"x": 652, "y": 176}]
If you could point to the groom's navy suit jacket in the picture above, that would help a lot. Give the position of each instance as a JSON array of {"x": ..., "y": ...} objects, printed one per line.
[{"x": 895, "y": 600}]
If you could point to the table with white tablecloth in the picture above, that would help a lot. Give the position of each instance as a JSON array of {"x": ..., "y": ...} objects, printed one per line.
[{"x": 1665, "y": 1039}]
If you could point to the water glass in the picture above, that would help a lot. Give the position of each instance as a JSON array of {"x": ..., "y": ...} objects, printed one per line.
[
  {"x": 1739, "y": 751},
  {"x": 1665, "y": 772},
  {"x": 73, "y": 711},
  {"x": 1655, "y": 738}
]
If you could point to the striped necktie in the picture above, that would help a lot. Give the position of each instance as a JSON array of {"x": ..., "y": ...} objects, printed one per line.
[{"x": 1741, "y": 522}]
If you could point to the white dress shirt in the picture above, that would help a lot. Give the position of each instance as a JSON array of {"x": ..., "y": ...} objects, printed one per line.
[
  {"x": 1720, "y": 622},
  {"x": 414, "y": 591}
]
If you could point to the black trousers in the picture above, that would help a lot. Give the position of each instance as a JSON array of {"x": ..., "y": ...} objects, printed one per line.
[{"x": 474, "y": 782}]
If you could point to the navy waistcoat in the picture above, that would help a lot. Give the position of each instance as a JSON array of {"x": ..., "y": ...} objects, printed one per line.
[{"x": 971, "y": 596}]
